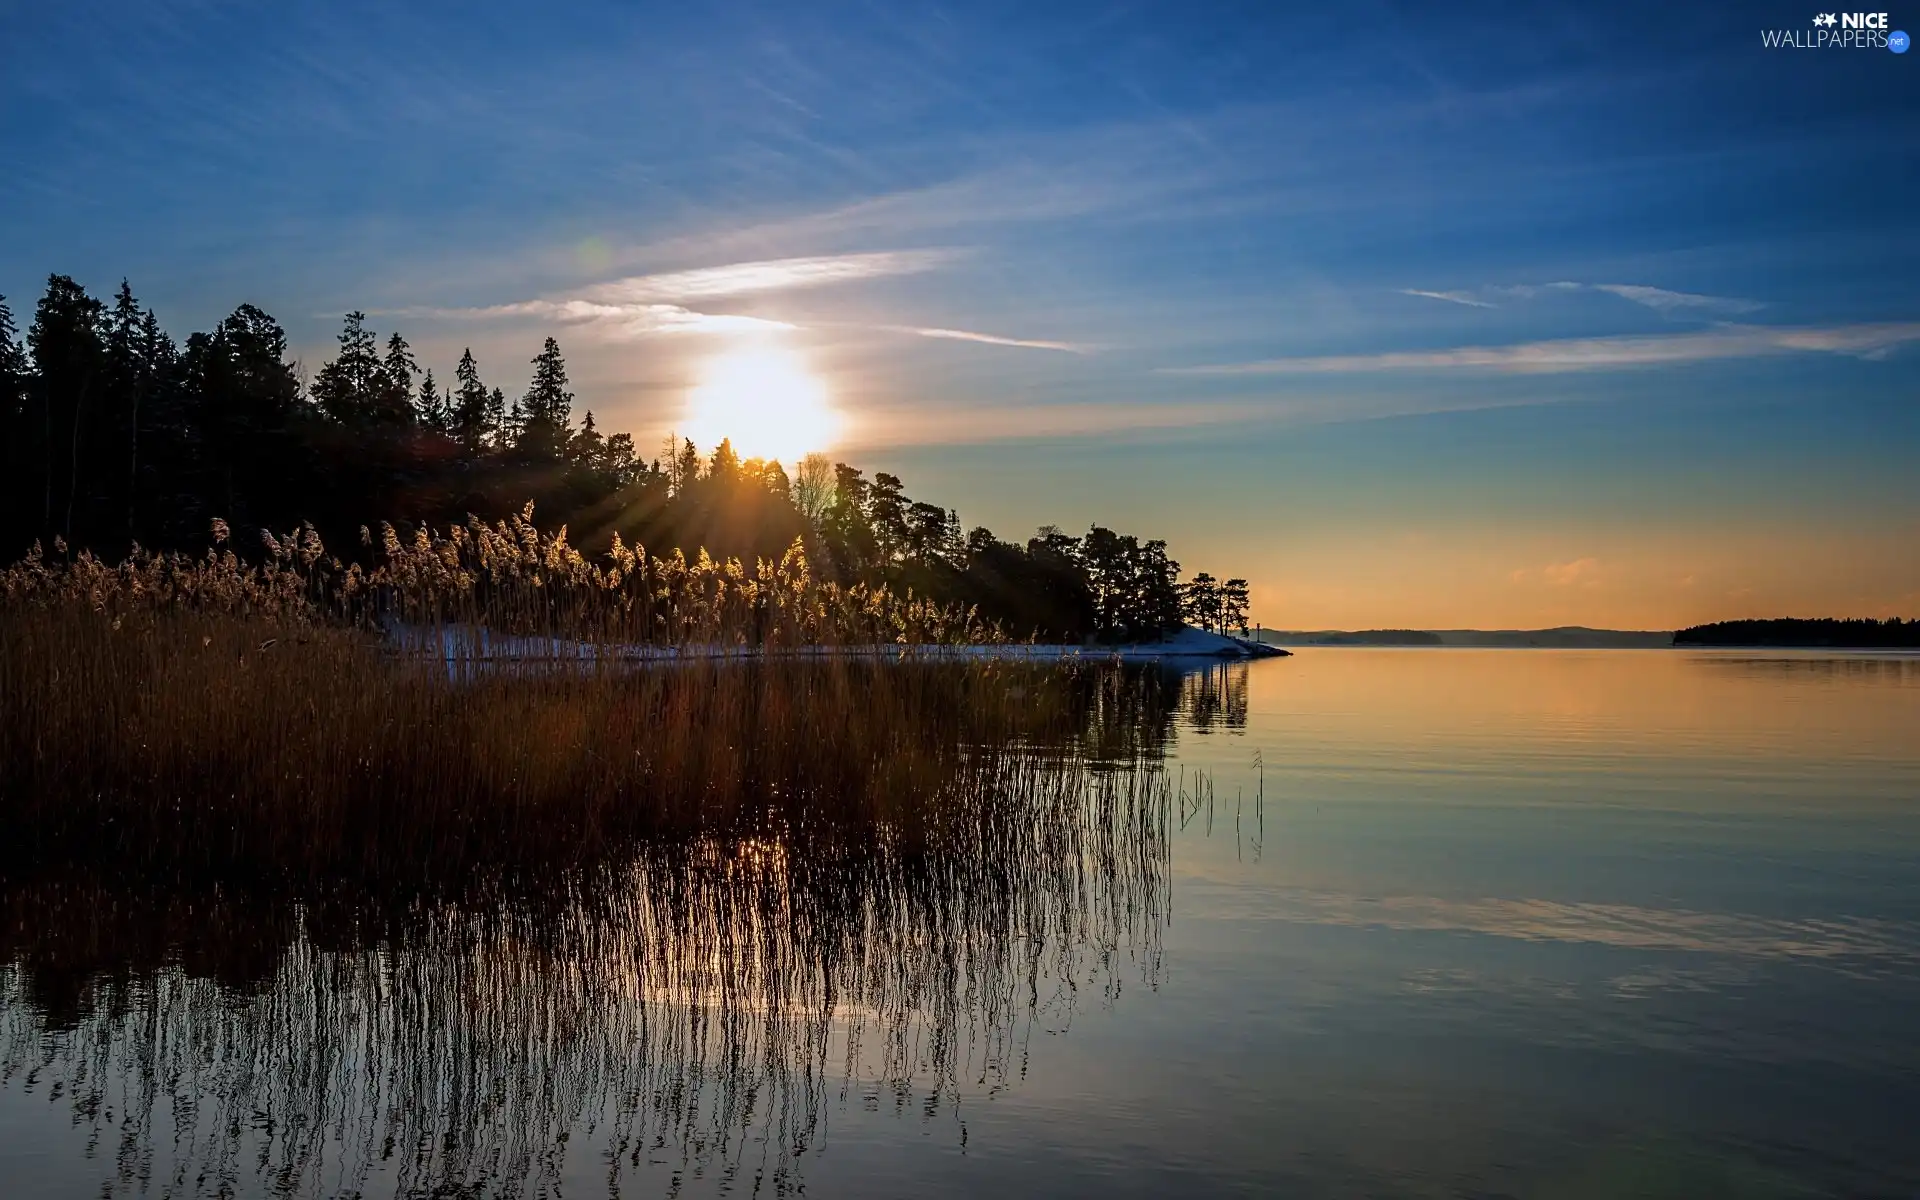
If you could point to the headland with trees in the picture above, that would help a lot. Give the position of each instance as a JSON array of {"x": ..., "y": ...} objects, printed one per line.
[{"x": 116, "y": 436}]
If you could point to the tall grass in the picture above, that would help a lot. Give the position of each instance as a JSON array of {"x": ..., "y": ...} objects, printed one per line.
[
  {"x": 198, "y": 742},
  {"x": 282, "y": 907},
  {"x": 509, "y": 578}
]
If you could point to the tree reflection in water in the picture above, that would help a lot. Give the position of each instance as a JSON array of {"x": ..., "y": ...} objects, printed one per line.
[{"x": 699, "y": 1006}]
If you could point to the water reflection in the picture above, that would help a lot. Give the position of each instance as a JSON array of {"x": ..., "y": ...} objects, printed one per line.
[{"x": 696, "y": 1007}]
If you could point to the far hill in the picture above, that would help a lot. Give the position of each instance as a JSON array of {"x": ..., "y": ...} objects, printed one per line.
[
  {"x": 1566, "y": 637},
  {"x": 1864, "y": 633}
]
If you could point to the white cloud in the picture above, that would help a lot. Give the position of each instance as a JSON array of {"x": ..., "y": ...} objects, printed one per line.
[
  {"x": 1450, "y": 297},
  {"x": 648, "y": 304},
  {"x": 1663, "y": 301},
  {"x": 989, "y": 339},
  {"x": 1601, "y": 353},
  {"x": 778, "y": 274},
  {"x": 614, "y": 321}
]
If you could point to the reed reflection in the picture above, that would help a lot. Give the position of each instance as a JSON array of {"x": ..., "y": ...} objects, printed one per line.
[{"x": 698, "y": 1001}]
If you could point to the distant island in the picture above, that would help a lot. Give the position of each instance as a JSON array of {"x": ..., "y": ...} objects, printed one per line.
[
  {"x": 1568, "y": 637},
  {"x": 1859, "y": 633}
]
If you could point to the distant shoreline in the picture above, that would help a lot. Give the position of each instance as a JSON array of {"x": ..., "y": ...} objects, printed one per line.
[
  {"x": 1562, "y": 638},
  {"x": 1773, "y": 634}
]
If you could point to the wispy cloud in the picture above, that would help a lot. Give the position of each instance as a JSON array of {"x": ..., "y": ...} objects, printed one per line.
[
  {"x": 1664, "y": 301},
  {"x": 611, "y": 321},
  {"x": 1465, "y": 298},
  {"x": 1596, "y": 354},
  {"x": 1661, "y": 300},
  {"x": 657, "y": 303},
  {"x": 989, "y": 339},
  {"x": 1581, "y": 572},
  {"x": 778, "y": 274}
]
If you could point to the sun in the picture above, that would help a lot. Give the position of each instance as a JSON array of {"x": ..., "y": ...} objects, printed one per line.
[{"x": 765, "y": 399}]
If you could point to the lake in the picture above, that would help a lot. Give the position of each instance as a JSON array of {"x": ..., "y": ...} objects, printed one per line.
[{"x": 1397, "y": 923}]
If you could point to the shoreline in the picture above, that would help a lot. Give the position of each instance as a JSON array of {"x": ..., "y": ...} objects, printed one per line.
[{"x": 460, "y": 645}]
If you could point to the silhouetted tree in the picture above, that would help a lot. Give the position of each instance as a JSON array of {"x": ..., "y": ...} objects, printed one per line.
[
  {"x": 431, "y": 406},
  {"x": 502, "y": 424},
  {"x": 1200, "y": 601},
  {"x": 587, "y": 447},
  {"x": 17, "y": 435},
  {"x": 69, "y": 358},
  {"x": 547, "y": 406},
  {"x": 394, "y": 402},
  {"x": 472, "y": 422},
  {"x": 246, "y": 400},
  {"x": 848, "y": 532},
  {"x": 139, "y": 356},
  {"x": 349, "y": 388},
  {"x": 1233, "y": 605}
]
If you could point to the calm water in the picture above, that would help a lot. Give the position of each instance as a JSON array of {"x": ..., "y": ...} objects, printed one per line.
[{"x": 1417, "y": 922}]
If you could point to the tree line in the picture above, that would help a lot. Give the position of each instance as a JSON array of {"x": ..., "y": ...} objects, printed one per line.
[
  {"x": 116, "y": 435},
  {"x": 1861, "y": 632}
]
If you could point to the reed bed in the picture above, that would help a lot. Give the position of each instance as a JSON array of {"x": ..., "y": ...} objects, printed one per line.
[
  {"x": 509, "y": 578},
  {"x": 196, "y": 743},
  {"x": 283, "y": 910}
]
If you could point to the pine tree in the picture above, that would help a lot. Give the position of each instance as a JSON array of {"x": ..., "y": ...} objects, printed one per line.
[
  {"x": 513, "y": 426},
  {"x": 16, "y": 435},
  {"x": 394, "y": 403},
  {"x": 430, "y": 408},
  {"x": 244, "y": 401},
  {"x": 685, "y": 466},
  {"x": 1200, "y": 601},
  {"x": 619, "y": 461},
  {"x": 546, "y": 407},
  {"x": 133, "y": 345},
  {"x": 587, "y": 447},
  {"x": 1233, "y": 605},
  {"x": 473, "y": 419},
  {"x": 69, "y": 358},
  {"x": 348, "y": 388}
]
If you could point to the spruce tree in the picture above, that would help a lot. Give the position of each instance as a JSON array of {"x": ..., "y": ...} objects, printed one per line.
[
  {"x": 587, "y": 447},
  {"x": 348, "y": 388},
  {"x": 132, "y": 334},
  {"x": 69, "y": 357},
  {"x": 15, "y": 434},
  {"x": 394, "y": 395},
  {"x": 430, "y": 407},
  {"x": 547, "y": 405},
  {"x": 473, "y": 420}
]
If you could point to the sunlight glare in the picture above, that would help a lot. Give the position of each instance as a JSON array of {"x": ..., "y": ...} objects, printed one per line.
[{"x": 765, "y": 398}]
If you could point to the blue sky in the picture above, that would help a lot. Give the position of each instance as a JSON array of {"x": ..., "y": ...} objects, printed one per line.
[{"x": 1493, "y": 316}]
